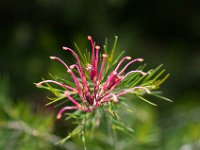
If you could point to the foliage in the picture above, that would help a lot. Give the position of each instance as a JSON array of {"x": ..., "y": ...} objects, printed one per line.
[{"x": 21, "y": 127}]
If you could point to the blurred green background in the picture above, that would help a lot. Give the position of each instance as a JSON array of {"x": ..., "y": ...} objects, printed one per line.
[{"x": 165, "y": 32}]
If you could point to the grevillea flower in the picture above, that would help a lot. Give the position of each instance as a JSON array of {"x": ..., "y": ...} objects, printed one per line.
[
  {"x": 99, "y": 92},
  {"x": 100, "y": 79}
]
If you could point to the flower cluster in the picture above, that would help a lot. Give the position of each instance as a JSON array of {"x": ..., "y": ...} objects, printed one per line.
[{"x": 92, "y": 85}]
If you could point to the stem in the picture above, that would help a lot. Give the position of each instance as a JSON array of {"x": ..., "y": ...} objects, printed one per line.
[
  {"x": 93, "y": 48},
  {"x": 73, "y": 100},
  {"x": 127, "y": 65},
  {"x": 59, "y": 115},
  {"x": 132, "y": 89},
  {"x": 77, "y": 67},
  {"x": 108, "y": 80},
  {"x": 69, "y": 71},
  {"x": 96, "y": 71},
  {"x": 121, "y": 61},
  {"x": 80, "y": 67},
  {"x": 61, "y": 61},
  {"x": 57, "y": 83},
  {"x": 102, "y": 68},
  {"x": 133, "y": 71},
  {"x": 96, "y": 60}
]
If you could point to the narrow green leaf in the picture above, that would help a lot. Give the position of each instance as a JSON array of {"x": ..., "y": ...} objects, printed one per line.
[
  {"x": 105, "y": 46},
  {"x": 158, "y": 75},
  {"x": 121, "y": 126},
  {"x": 138, "y": 81},
  {"x": 164, "y": 79},
  {"x": 152, "y": 72},
  {"x": 76, "y": 131},
  {"x": 80, "y": 53},
  {"x": 162, "y": 97},
  {"x": 54, "y": 100},
  {"x": 142, "y": 98}
]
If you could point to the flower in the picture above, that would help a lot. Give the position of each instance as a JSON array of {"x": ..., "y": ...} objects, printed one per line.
[
  {"x": 100, "y": 80},
  {"x": 94, "y": 90}
]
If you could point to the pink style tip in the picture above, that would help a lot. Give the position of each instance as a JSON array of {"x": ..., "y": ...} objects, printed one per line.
[
  {"x": 128, "y": 57},
  {"x": 144, "y": 73},
  {"x": 65, "y": 48},
  {"x": 59, "y": 116},
  {"x": 104, "y": 55},
  {"x": 52, "y": 57},
  {"x": 97, "y": 47},
  {"x": 37, "y": 84},
  {"x": 89, "y": 37},
  {"x": 140, "y": 59}
]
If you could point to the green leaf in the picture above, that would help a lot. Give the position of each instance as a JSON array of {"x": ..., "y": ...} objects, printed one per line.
[
  {"x": 152, "y": 72},
  {"x": 76, "y": 131},
  {"x": 161, "y": 97},
  {"x": 118, "y": 125},
  {"x": 105, "y": 46},
  {"x": 54, "y": 100},
  {"x": 142, "y": 98},
  {"x": 113, "y": 49}
]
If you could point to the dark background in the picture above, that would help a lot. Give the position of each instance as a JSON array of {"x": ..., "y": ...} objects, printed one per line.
[{"x": 165, "y": 32}]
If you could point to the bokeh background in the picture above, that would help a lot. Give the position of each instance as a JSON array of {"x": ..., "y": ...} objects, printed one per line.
[{"x": 165, "y": 32}]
